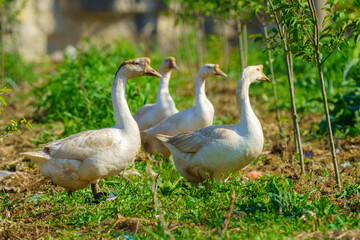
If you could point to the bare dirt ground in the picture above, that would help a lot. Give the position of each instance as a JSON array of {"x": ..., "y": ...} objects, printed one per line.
[{"x": 276, "y": 159}]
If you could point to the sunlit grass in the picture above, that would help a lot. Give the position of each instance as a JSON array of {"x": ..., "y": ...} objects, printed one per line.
[{"x": 265, "y": 208}]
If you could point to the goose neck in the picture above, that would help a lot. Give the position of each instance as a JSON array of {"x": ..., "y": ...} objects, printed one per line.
[
  {"x": 200, "y": 93},
  {"x": 123, "y": 117},
  {"x": 242, "y": 99},
  {"x": 163, "y": 89}
]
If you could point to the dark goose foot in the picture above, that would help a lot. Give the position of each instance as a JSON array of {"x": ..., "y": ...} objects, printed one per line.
[{"x": 97, "y": 198}]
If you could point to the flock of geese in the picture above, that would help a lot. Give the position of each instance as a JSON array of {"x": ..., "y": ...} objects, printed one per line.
[{"x": 199, "y": 149}]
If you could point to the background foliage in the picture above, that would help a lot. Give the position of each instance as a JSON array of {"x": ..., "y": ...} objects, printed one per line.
[{"x": 89, "y": 106}]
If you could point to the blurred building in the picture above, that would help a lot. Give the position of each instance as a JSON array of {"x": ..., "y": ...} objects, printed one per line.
[{"x": 50, "y": 25}]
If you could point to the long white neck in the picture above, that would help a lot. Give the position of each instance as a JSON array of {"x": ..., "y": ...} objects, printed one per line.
[
  {"x": 200, "y": 90},
  {"x": 247, "y": 115},
  {"x": 163, "y": 89},
  {"x": 123, "y": 118}
]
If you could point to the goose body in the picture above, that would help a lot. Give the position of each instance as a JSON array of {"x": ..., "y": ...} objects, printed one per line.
[
  {"x": 84, "y": 158},
  {"x": 188, "y": 120},
  {"x": 151, "y": 114},
  {"x": 214, "y": 151}
]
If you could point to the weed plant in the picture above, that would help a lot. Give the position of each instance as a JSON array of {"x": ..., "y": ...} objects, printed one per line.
[{"x": 16, "y": 70}]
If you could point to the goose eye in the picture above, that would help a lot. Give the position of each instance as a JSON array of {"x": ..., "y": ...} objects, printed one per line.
[
  {"x": 137, "y": 63},
  {"x": 209, "y": 67},
  {"x": 258, "y": 69}
]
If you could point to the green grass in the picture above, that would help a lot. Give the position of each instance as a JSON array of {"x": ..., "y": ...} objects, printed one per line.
[{"x": 269, "y": 208}]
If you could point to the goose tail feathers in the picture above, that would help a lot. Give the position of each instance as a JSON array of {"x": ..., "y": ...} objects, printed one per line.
[
  {"x": 163, "y": 138},
  {"x": 38, "y": 157}
]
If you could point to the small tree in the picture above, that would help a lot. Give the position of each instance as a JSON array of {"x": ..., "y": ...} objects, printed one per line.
[
  {"x": 260, "y": 13},
  {"x": 306, "y": 39},
  {"x": 282, "y": 33}
]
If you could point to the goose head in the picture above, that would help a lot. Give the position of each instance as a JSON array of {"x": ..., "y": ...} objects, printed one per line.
[
  {"x": 209, "y": 69},
  {"x": 255, "y": 73},
  {"x": 168, "y": 65},
  {"x": 136, "y": 68}
]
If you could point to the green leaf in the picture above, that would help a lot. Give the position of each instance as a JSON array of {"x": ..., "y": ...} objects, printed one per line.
[
  {"x": 5, "y": 90},
  {"x": 255, "y": 35},
  {"x": 2, "y": 99},
  {"x": 326, "y": 19},
  {"x": 326, "y": 9}
]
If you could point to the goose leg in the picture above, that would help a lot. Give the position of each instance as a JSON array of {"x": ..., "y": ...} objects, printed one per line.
[
  {"x": 96, "y": 194},
  {"x": 150, "y": 171},
  {"x": 94, "y": 188},
  {"x": 150, "y": 158},
  {"x": 70, "y": 193}
]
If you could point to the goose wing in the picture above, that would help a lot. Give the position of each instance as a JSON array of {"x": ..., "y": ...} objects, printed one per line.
[
  {"x": 192, "y": 142},
  {"x": 82, "y": 145}
]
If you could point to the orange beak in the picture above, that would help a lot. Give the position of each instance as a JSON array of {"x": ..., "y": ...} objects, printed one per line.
[
  {"x": 149, "y": 71},
  {"x": 173, "y": 65},
  {"x": 264, "y": 77},
  {"x": 219, "y": 72}
]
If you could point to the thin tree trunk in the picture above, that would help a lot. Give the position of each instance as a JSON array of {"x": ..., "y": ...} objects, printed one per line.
[
  {"x": 225, "y": 56},
  {"x": 185, "y": 44},
  {"x": 290, "y": 72},
  {"x": 198, "y": 41},
  {"x": 198, "y": 47},
  {"x": 320, "y": 4},
  {"x": 328, "y": 121},
  {"x": 297, "y": 140},
  {"x": 225, "y": 49},
  {"x": 2, "y": 12},
  {"x": 15, "y": 51},
  {"x": 245, "y": 41},
  {"x": 319, "y": 63},
  {"x": 203, "y": 37},
  {"x": 241, "y": 45},
  {"x": 272, "y": 78}
]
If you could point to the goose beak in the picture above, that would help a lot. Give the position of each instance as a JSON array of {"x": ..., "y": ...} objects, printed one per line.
[
  {"x": 219, "y": 72},
  {"x": 173, "y": 65},
  {"x": 264, "y": 77},
  {"x": 149, "y": 71}
]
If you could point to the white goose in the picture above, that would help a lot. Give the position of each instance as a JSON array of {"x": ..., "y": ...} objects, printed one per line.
[
  {"x": 188, "y": 120},
  {"x": 151, "y": 114},
  {"x": 84, "y": 158},
  {"x": 212, "y": 152}
]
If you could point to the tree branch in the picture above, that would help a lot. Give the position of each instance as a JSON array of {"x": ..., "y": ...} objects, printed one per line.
[
  {"x": 306, "y": 30},
  {"x": 276, "y": 19},
  {"x": 333, "y": 49}
]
